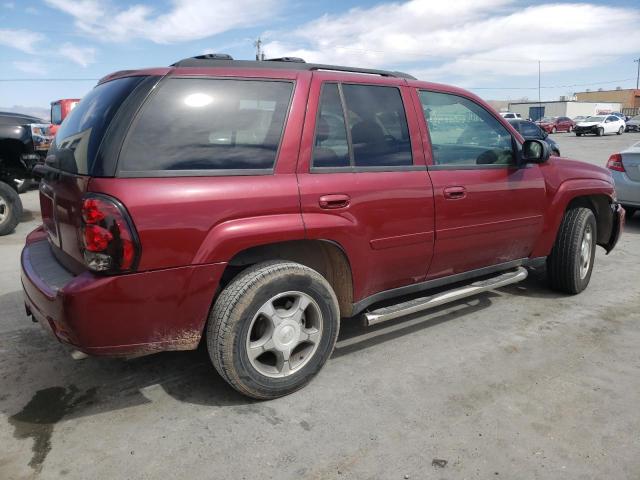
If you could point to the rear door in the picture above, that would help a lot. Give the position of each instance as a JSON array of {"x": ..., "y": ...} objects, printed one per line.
[
  {"x": 362, "y": 178},
  {"x": 488, "y": 211}
]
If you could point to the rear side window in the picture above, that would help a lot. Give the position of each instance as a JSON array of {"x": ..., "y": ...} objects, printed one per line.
[
  {"x": 194, "y": 124},
  {"x": 375, "y": 133},
  {"x": 80, "y": 134}
]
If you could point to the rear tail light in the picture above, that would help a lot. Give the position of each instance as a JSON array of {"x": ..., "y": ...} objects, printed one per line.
[
  {"x": 615, "y": 163},
  {"x": 109, "y": 240}
]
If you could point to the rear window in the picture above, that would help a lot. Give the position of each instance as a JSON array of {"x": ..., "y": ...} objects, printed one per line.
[
  {"x": 80, "y": 134},
  {"x": 208, "y": 125}
]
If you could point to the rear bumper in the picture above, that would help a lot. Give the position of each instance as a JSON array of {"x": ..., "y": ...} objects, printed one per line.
[
  {"x": 627, "y": 190},
  {"x": 125, "y": 315}
]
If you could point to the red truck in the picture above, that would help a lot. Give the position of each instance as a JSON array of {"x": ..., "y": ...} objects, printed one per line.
[
  {"x": 59, "y": 111},
  {"x": 255, "y": 205}
]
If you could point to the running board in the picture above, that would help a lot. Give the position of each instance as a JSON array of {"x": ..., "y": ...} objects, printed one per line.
[{"x": 424, "y": 303}]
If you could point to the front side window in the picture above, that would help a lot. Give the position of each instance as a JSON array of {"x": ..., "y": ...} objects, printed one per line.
[
  {"x": 375, "y": 133},
  {"x": 208, "y": 124},
  {"x": 464, "y": 133}
]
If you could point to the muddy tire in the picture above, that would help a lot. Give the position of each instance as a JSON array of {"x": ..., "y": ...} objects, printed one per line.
[
  {"x": 571, "y": 261},
  {"x": 10, "y": 209},
  {"x": 273, "y": 328}
]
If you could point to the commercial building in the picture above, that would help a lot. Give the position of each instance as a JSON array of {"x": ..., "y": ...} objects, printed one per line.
[
  {"x": 562, "y": 108},
  {"x": 629, "y": 98}
]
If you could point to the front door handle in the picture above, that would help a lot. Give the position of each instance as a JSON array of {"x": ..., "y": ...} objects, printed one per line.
[
  {"x": 455, "y": 193},
  {"x": 334, "y": 201}
]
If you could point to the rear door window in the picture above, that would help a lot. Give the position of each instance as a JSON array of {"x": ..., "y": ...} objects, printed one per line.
[
  {"x": 361, "y": 126},
  {"x": 208, "y": 125}
]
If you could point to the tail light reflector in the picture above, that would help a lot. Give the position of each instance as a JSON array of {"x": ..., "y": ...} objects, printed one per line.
[
  {"x": 615, "y": 163},
  {"x": 109, "y": 240}
]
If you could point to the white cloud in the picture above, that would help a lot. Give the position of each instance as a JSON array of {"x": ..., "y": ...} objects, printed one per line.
[
  {"x": 23, "y": 40},
  {"x": 9, "y": 5},
  {"x": 83, "y": 56},
  {"x": 30, "y": 67},
  {"x": 466, "y": 38},
  {"x": 186, "y": 20}
]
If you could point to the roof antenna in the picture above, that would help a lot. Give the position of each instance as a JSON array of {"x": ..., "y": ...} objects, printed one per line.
[{"x": 259, "y": 50}]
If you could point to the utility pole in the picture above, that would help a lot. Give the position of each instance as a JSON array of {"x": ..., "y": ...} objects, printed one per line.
[
  {"x": 259, "y": 51},
  {"x": 539, "y": 94},
  {"x": 638, "y": 77}
]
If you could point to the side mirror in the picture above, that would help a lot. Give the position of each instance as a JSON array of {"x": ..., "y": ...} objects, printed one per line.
[{"x": 534, "y": 151}]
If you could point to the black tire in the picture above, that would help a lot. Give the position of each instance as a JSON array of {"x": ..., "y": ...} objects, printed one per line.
[
  {"x": 630, "y": 211},
  {"x": 600, "y": 132},
  {"x": 10, "y": 209},
  {"x": 620, "y": 130},
  {"x": 570, "y": 129},
  {"x": 228, "y": 329},
  {"x": 578, "y": 134},
  {"x": 564, "y": 263}
]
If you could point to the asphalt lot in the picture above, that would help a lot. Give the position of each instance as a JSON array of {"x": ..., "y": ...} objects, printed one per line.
[{"x": 518, "y": 383}]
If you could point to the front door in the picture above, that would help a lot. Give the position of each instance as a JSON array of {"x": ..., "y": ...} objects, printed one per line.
[
  {"x": 488, "y": 211},
  {"x": 363, "y": 182}
]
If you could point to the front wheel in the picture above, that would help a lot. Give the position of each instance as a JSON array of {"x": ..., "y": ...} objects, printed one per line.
[
  {"x": 570, "y": 264},
  {"x": 620, "y": 130},
  {"x": 600, "y": 132},
  {"x": 273, "y": 328}
]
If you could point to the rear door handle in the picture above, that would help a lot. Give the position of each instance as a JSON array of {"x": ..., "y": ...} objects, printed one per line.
[
  {"x": 455, "y": 193},
  {"x": 334, "y": 201}
]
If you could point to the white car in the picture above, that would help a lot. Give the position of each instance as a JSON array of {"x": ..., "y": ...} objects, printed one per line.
[
  {"x": 600, "y": 125},
  {"x": 510, "y": 115}
]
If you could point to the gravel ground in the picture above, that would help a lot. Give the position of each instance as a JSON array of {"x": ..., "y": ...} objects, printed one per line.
[{"x": 516, "y": 383}]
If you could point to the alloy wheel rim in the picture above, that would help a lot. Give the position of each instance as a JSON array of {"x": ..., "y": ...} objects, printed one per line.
[
  {"x": 4, "y": 210},
  {"x": 284, "y": 334},
  {"x": 585, "y": 251}
]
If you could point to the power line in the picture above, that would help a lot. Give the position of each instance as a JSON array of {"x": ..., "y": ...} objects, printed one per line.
[{"x": 49, "y": 79}]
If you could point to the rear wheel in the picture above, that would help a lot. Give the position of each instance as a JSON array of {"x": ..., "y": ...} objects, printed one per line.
[
  {"x": 570, "y": 264},
  {"x": 578, "y": 134},
  {"x": 10, "y": 209},
  {"x": 554, "y": 130},
  {"x": 600, "y": 132},
  {"x": 272, "y": 329},
  {"x": 570, "y": 129},
  {"x": 630, "y": 211}
]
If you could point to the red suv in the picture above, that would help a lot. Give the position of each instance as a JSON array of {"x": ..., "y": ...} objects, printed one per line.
[
  {"x": 256, "y": 204},
  {"x": 556, "y": 124}
]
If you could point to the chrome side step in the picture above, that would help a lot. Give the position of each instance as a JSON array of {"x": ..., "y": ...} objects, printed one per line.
[{"x": 419, "y": 304}]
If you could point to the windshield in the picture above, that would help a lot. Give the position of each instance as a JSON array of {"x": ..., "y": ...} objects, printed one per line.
[{"x": 594, "y": 119}]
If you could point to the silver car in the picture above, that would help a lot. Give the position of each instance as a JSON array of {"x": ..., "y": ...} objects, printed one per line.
[
  {"x": 625, "y": 169},
  {"x": 633, "y": 125}
]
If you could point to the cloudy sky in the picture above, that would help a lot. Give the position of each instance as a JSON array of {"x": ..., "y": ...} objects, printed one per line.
[{"x": 489, "y": 46}]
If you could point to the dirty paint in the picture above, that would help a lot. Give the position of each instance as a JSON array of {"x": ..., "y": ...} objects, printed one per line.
[{"x": 38, "y": 417}]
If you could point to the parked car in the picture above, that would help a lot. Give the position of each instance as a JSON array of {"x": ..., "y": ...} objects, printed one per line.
[
  {"x": 556, "y": 124},
  {"x": 531, "y": 131},
  {"x": 625, "y": 170},
  {"x": 600, "y": 125},
  {"x": 633, "y": 125},
  {"x": 23, "y": 142},
  {"x": 510, "y": 115},
  {"x": 256, "y": 205}
]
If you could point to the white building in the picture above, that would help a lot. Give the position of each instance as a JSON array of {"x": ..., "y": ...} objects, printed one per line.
[{"x": 562, "y": 108}]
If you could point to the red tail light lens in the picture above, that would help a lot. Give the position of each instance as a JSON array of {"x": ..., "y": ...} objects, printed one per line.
[
  {"x": 615, "y": 163},
  {"x": 108, "y": 236}
]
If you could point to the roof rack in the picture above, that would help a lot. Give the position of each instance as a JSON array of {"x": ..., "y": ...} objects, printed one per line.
[{"x": 287, "y": 63}]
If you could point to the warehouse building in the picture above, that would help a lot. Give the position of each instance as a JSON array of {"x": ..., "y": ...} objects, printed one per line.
[
  {"x": 629, "y": 98},
  {"x": 562, "y": 108}
]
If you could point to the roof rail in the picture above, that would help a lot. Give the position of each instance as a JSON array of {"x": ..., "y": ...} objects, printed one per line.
[
  {"x": 286, "y": 59},
  {"x": 284, "y": 63},
  {"x": 185, "y": 62}
]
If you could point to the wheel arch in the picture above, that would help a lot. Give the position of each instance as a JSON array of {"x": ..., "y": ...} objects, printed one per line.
[{"x": 327, "y": 257}]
